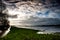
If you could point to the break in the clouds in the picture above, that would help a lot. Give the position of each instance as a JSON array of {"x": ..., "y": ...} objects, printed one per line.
[{"x": 29, "y": 13}]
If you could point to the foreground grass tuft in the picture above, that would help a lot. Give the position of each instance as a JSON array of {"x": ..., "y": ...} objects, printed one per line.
[{"x": 26, "y": 34}]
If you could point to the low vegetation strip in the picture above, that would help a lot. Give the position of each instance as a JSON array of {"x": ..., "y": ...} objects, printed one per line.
[{"x": 26, "y": 34}]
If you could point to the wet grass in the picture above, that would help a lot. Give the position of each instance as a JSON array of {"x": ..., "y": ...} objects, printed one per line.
[{"x": 26, "y": 34}]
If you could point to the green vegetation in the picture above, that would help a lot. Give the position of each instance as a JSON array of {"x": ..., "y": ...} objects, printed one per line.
[{"x": 26, "y": 34}]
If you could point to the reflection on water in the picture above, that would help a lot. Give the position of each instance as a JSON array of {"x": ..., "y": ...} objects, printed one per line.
[{"x": 45, "y": 29}]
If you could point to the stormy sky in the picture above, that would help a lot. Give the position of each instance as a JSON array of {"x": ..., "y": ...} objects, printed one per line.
[{"x": 33, "y": 13}]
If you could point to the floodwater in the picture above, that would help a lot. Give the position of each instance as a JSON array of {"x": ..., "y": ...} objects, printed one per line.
[{"x": 45, "y": 29}]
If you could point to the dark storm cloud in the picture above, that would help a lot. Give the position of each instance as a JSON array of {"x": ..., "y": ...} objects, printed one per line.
[{"x": 34, "y": 15}]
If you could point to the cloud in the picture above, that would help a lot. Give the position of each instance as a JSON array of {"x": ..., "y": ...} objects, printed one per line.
[{"x": 33, "y": 15}]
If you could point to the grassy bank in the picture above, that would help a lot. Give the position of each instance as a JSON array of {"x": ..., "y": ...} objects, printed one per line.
[{"x": 26, "y": 34}]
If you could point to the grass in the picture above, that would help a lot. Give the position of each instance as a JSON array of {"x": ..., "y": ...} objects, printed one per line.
[{"x": 26, "y": 34}]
